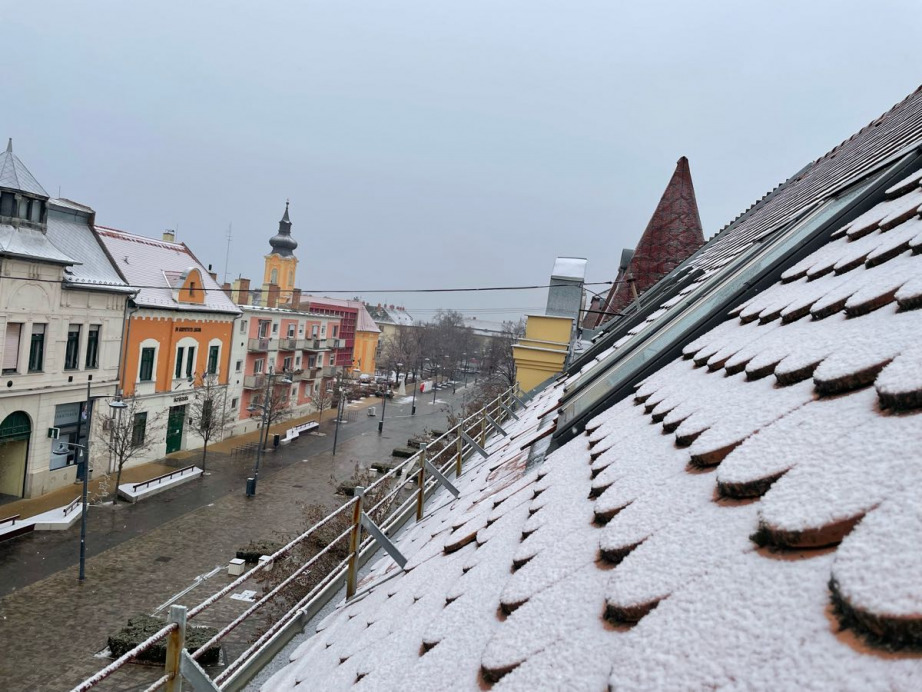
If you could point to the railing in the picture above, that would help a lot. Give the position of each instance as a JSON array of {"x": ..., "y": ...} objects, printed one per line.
[
  {"x": 327, "y": 371},
  {"x": 288, "y": 344},
  {"x": 254, "y": 381},
  {"x": 261, "y": 344},
  {"x": 73, "y": 505},
  {"x": 383, "y": 508},
  {"x": 10, "y": 520},
  {"x": 164, "y": 477},
  {"x": 309, "y": 345}
]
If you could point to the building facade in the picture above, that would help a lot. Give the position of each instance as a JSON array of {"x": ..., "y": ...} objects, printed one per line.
[
  {"x": 62, "y": 306},
  {"x": 178, "y": 331},
  {"x": 298, "y": 345}
]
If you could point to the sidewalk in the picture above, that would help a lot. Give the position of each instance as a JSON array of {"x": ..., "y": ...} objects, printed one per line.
[
  {"x": 140, "y": 555},
  {"x": 134, "y": 474}
]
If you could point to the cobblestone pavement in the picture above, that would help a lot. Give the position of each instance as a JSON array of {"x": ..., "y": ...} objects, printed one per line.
[{"x": 51, "y": 627}]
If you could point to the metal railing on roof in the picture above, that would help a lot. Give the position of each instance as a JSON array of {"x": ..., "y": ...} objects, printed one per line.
[{"x": 393, "y": 499}]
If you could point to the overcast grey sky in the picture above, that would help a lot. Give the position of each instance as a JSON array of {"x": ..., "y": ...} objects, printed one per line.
[{"x": 428, "y": 143}]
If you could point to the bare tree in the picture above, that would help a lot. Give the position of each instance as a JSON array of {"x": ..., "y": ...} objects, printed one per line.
[
  {"x": 208, "y": 414},
  {"x": 400, "y": 352},
  {"x": 126, "y": 434},
  {"x": 499, "y": 358},
  {"x": 323, "y": 397},
  {"x": 273, "y": 407}
]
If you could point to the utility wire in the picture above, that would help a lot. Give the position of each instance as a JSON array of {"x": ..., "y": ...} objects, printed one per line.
[{"x": 307, "y": 292}]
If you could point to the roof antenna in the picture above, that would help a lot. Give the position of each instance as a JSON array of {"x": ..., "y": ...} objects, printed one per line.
[{"x": 230, "y": 227}]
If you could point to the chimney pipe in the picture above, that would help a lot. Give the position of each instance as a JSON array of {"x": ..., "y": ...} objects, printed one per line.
[{"x": 169, "y": 236}]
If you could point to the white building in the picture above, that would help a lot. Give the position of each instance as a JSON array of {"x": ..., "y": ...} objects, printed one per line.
[{"x": 62, "y": 307}]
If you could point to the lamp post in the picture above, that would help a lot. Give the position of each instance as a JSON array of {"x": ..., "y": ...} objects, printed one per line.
[
  {"x": 339, "y": 415},
  {"x": 265, "y": 406},
  {"x": 415, "y": 387},
  {"x": 387, "y": 384}
]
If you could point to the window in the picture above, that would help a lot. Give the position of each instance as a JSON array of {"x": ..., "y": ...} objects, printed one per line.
[
  {"x": 7, "y": 204},
  {"x": 72, "y": 351},
  {"x": 11, "y": 347},
  {"x": 263, "y": 329},
  {"x": 314, "y": 331},
  {"x": 213, "y": 359},
  {"x": 335, "y": 330},
  {"x": 37, "y": 348},
  {"x": 190, "y": 362},
  {"x": 243, "y": 326},
  {"x": 286, "y": 364},
  {"x": 92, "y": 347},
  {"x": 146, "y": 373},
  {"x": 291, "y": 331},
  {"x": 323, "y": 329},
  {"x": 234, "y": 402},
  {"x": 274, "y": 276},
  {"x": 275, "y": 328},
  {"x": 239, "y": 365},
  {"x": 67, "y": 418},
  {"x": 138, "y": 429},
  {"x": 297, "y": 360},
  {"x": 311, "y": 361},
  {"x": 258, "y": 366},
  {"x": 180, "y": 352}
]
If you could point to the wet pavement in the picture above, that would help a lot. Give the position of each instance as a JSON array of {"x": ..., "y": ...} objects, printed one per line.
[{"x": 140, "y": 555}]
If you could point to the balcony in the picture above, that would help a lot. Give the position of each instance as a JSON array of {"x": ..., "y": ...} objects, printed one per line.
[
  {"x": 254, "y": 381},
  {"x": 310, "y": 345},
  {"x": 327, "y": 371},
  {"x": 334, "y": 343},
  {"x": 261, "y": 344},
  {"x": 288, "y": 344}
]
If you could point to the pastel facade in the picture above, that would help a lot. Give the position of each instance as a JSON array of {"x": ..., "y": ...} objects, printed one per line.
[
  {"x": 62, "y": 307},
  {"x": 299, "y": 344},
  {"x": 178, "y": 331},
  {"x": 542, "y": 352}
]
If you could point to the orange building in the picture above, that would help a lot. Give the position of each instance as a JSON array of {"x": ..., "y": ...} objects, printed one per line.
[{"x": 178, "y": 331}]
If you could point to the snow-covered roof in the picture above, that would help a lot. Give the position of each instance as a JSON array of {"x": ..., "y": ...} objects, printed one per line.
[
  {"x": 31, "y": 244},
  {"x": 749, "y": 519},
  {"x": 147, "y": 264},
  {"x": 69, "y": 230},
  {"x": 365, "y": 323},
  {"x": 15, "y": 176},
  {"x": 573, "y": 268}
]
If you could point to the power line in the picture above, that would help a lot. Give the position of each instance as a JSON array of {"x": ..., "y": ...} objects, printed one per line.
[{"x": 308, "y": 292}]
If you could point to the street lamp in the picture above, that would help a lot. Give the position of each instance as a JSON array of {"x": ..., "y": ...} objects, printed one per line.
[
  {"x": 339, "y": 416},
  {"x": 387, "y": 384},
  {"x": 415, "y": 387},
  {"x": 265, "y": 406}
]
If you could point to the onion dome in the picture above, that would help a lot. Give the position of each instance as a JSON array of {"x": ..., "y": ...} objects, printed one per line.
[{"x": 282, "y": 243}]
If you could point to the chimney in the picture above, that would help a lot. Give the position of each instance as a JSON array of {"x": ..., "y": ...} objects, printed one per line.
[
  {"x": 296, "y": 299},
  {"x": 272, "y": 296},
  {"x": 212, "y": 274},
  {"x": 226, "y": 287},
  {"x": 169, "y": 236},
  {"x": 241, "y": 289}
]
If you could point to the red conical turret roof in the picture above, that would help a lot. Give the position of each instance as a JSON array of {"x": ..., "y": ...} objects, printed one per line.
[{"x": 673, "y": 234}]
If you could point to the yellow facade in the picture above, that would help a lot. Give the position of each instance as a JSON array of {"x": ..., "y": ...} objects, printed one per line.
[
  {"x": 542, "y": 352},
  {"x": 281, "y": 271},
  {"x": 363, "y": 352}
]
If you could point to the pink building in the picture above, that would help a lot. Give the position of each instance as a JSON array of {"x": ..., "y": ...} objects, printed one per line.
[{"x": 301, "y": 344}]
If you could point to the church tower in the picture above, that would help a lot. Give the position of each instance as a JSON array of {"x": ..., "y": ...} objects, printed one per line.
[{"x": 281, "y": 263}]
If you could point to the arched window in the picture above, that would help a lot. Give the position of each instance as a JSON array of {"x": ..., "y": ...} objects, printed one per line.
[
  {"x": 291, "y": 277},
  {"x": 274, "y": 276}
]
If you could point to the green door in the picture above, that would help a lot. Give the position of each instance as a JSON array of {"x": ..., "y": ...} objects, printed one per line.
[{"x": 174, "y": 428}]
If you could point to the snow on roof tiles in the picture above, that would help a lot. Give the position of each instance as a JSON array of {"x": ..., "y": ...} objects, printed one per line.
[
  {"x": 749, "y": 520},
  {"x": 146, "y": 264},
  {"x": 69, "y": 229}
]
